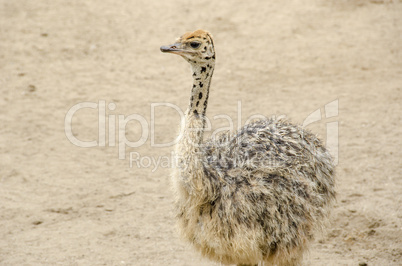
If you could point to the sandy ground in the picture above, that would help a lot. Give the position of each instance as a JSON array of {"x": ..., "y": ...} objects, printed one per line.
[{"x": 69, "y": 205}]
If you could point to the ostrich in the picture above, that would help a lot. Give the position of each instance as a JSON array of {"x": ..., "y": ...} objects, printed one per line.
[{"x": 257, "y": 195}]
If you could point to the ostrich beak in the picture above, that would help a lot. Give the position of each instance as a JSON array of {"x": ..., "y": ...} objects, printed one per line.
[{"x": 173, "y": 48}]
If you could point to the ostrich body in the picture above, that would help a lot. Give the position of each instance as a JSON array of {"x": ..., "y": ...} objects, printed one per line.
[{"x": 254, "y": 196}]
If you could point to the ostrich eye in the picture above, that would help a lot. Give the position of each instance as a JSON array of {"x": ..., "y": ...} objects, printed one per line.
[{"x": 195, "y": 45}]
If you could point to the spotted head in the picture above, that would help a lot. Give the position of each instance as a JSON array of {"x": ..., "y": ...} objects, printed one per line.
[{"x": 196, "y": 47}]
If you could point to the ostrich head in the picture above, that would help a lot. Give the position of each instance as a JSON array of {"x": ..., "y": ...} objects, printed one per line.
[{"x": 196, "y": 47}]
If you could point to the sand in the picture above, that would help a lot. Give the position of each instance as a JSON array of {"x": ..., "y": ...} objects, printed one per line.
[{"x": 338, "y": 62}]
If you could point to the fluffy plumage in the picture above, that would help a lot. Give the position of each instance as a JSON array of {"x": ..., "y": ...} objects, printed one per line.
[{"x": 256, "y": 195}]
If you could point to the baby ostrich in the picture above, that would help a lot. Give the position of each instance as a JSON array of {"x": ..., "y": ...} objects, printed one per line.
[{"x": 254, "y": 196}]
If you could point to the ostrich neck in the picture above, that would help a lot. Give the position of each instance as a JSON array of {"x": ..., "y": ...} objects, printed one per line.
[
  {"x": 195, "y": 114},
  {"x": 190, "y": 179},
  {"x": 190, "y": 156},
  {"x": 202, "y": 75}
]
